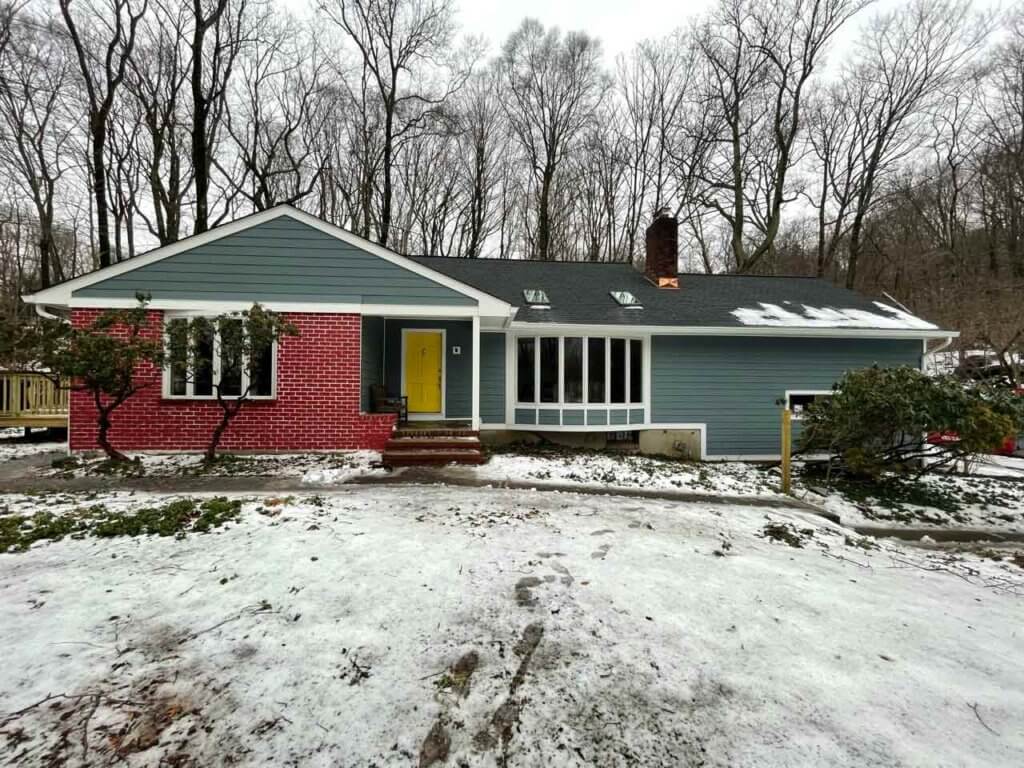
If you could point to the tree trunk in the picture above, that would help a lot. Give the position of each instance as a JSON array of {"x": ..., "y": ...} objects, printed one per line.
[
  {"x": 99, "y": 185},
  {"x": 387, "y": 160},
  {"x": 853, "y": 249},
  {"x": 227, "y": 414},
  {"x": 102, "y": 439},
  {"x": 544, "y": 216},
  {"x": 738, "y": 208}
]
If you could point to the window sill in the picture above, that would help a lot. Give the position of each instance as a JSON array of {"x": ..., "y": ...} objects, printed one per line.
[
  {"x": 579, "y": 405},
  {"x": 213, "y": 398}
]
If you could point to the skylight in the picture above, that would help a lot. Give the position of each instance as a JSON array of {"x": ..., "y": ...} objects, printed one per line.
[
  {"x": 536, "y": 298},
  {"x": 626, "y": 299}
]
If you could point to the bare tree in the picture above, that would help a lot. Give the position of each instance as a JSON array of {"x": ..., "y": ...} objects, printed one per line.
[
  {"x": 483, "y": 148},
  {"x": 156, "y": 81},
  {"x": 651, "y": 84},
  {"x": 555, "y": 85},
  {"x": 396, "y": 39},
  {"x": 906, "y": 59},
  {"x": 759, "y": 60},
  {"x": 219, "y": 30},
  {"x": 103, "y": 45},
  {"x": 36, "y": 125},
  {"x": 275, "y": 117}
]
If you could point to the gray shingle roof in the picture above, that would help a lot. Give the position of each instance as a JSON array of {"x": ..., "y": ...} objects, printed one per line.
[{"x": 579, "y": 294}]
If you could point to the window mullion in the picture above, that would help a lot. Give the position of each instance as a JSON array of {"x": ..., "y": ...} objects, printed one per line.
[
  {"x": 216, "y": 362},
  {"x": 244, "y": 359},
  {"x": 190, "y": 360},
  {"x": 628, "y": 373},
  {"x": 561, "y": 370},
  {"x": 607, "y": 371},
  {"x": 586, "y": 370},
  {"x": 537, "y": 371}
]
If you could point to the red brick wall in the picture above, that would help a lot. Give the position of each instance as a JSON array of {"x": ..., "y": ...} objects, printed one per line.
[{"x": 317, "y": 404}]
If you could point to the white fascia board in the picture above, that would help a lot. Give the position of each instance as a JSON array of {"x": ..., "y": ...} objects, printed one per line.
[
  {"x": 426, "y": 311},
  {"x": 61, "y": 294},
  {"x": 740, "y": 330}
]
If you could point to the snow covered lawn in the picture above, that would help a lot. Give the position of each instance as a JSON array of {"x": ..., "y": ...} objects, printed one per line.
[
  {"x": 383, "y": 625},
  {"x": 13, "y": 445},
  {"x": 311, "y": 467},
  {"x": 618, "y": 471},
  {"x": 935, "y": 500}
]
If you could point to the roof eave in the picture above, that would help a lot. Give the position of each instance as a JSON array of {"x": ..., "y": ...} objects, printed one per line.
[{"x": 749, "y": 330}]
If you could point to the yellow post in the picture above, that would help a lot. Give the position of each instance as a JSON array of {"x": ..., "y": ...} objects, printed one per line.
[{"x": 787, "y": 448}]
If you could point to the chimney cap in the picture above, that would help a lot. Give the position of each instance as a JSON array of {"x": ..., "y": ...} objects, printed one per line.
[{"x": 664, "y": 212}]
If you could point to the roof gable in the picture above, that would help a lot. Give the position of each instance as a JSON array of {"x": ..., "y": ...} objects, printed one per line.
[
  {"x": 278, "y": 260},
  {"x": 281, "y": 257}
]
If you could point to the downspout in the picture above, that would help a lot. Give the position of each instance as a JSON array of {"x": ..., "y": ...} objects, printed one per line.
[
  {"x": 945, "y": 343},
  {"x": 42, "y": 312}
]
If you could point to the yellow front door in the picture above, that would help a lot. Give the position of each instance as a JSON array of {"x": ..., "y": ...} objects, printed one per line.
[{"x": 423, "y": 350}]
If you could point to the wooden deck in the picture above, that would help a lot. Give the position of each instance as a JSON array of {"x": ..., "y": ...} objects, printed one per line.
[{"x": 31, "y": 400}]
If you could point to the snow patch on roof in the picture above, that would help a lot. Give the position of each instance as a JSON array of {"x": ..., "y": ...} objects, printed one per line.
[{"x": 830, "y": 317}]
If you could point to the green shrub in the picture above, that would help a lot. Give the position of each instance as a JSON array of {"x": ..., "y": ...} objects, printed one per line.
[{"x": 878, "y": 418}]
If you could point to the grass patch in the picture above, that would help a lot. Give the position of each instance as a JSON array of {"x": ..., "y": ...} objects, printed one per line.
[
  {"x": 175, "y": 518},
  {"x": 784, "y": 533}
]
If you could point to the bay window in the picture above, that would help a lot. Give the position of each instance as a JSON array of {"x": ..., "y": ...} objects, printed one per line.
[
  {"x": 549, "y": 369},
  {"x": 526, "y": 366},
  {"x": 595, "y": 370},
  {"x": 572, "y": 369},
  {"x": 577, "y": 370},
  {"x": 202, "y": 355}
]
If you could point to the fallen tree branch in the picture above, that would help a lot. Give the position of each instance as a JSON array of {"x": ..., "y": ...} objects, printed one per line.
[{"x": 974, "y": 709}]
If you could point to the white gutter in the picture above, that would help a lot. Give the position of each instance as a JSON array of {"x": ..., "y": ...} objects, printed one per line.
[
  {"x": 743, "y": 330},
  {"x": 43, "y": 312}
]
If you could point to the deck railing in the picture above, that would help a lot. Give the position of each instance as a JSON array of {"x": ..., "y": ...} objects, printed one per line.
[{"x": 31, "y": 400}]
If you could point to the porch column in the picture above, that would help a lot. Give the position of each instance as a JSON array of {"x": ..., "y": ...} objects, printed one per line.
[{"x": 476, "y": 372}]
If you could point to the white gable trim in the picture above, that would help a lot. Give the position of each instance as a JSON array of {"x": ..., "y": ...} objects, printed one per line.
[{"x": 60, "y": 295}]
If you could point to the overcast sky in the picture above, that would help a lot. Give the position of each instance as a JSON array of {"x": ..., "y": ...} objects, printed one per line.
[{"x": 620, "y": 24}]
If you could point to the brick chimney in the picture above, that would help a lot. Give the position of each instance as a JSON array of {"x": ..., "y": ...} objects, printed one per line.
[{"x": 662, "y": 263}]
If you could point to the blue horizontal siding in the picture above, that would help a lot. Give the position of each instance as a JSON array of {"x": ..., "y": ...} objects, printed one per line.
[
  {"x": 733, "y": 384},
  {"x": 492, "y": 378},
  {"x": 279, "y": 260},
  {"x": 371, "y": 364}
]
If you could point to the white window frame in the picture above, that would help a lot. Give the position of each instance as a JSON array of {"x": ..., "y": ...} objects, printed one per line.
[
  {"x": 189, "y": 383},
  {"x": 789, "y": 405},
  {"x": 562, "y": 402}
]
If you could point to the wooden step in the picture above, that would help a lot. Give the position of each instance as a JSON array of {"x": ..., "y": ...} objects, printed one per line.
[
  {"x": 409, "y": 458},
  {"x": 432, "y": 443},
  {"x": 439, "y": 432}
]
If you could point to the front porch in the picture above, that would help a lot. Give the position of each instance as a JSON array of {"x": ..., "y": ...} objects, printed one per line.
[
  {"x": 31, "y": 400},
  {"x": 431, "y": 365}
]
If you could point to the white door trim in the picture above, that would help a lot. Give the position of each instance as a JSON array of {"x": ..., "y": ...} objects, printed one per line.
[{"x": 444, "y": 373}]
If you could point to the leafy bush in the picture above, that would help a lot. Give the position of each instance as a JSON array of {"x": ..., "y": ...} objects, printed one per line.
[{"x": 878, "y": 418}]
